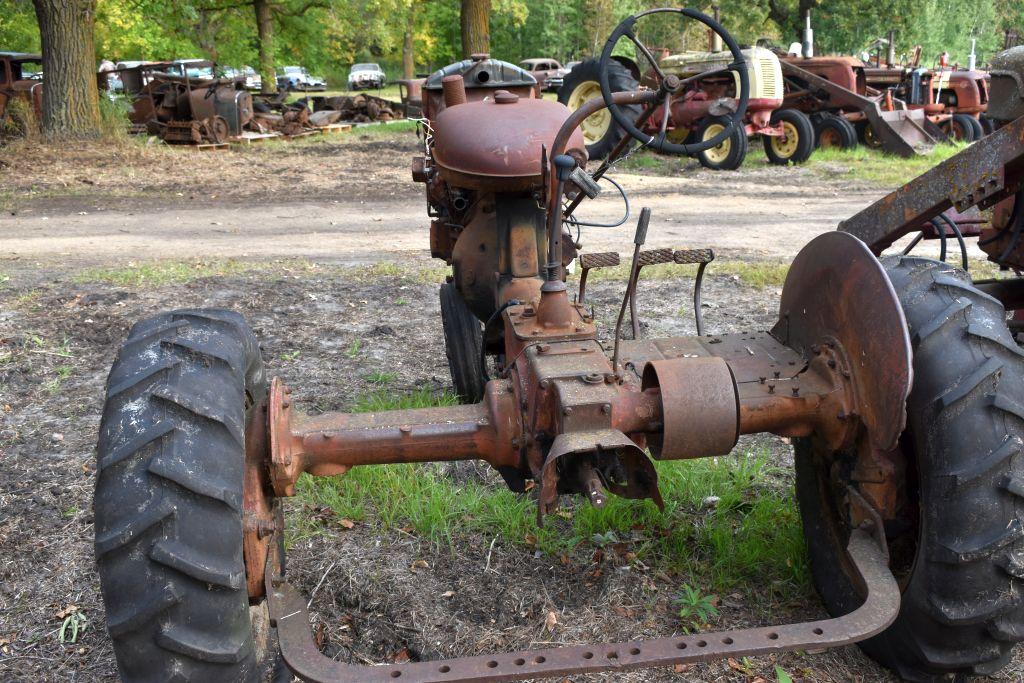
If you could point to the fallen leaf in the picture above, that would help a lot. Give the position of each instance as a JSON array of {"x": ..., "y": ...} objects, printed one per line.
[
  {"x": 682, "y": 668},
  {"x": 347, "y": 523},
  {"x": 67, "y": 611},
  {"x": 401, "y": 656},
  {"x": 448, "y": 594},
  {"x": 550, "y": 621},
  {"x": 419, "y": 564}
]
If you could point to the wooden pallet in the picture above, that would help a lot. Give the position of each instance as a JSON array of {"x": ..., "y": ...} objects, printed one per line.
[
  {"x": 335, "y": 128},
  {"x": 206, "y": 146},
  {"x": 250, "y": 138}
]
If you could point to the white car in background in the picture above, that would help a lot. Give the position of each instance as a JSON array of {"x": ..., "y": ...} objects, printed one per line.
[
  {"x": 298, "y": 78},
  {"x": 366, "y": 76}
]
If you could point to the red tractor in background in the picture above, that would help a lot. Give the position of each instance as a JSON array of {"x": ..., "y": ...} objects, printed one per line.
[{"x": 787, "y": 134}]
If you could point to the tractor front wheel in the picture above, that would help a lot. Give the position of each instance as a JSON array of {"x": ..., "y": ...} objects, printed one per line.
[
  {"x": 730, "y": 153},
  {"x": 463, "y": 344},
  {"x": 957, "y": 547},
  {"x": 796, "y": 143},
  {"x": 169, "y": 500}
]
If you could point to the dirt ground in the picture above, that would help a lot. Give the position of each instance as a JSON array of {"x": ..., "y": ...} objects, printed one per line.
[
  {"x": 353, "y": 199},
  {"x": 334, "y": 205}
]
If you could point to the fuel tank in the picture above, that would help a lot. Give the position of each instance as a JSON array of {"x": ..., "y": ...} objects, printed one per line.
[{"x": 495, "y": 143}]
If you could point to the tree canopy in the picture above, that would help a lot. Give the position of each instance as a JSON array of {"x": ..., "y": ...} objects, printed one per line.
[{"x": 329, "y": 35}]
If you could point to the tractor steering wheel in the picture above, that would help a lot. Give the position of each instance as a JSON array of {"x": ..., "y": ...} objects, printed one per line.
[{"x": 671, "y": 86}]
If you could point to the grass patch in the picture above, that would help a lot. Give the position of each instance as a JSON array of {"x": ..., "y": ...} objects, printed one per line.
[
  {"x": 157, "y": 273},
  {"x": 754, "y": 273},
  {"x": 873, "y": 166},
  {"x": 752, "y": 531}
]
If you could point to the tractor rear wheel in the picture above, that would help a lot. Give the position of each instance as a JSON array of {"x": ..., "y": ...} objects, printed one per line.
[
  {"x": 168, "y": 500},
  {"x": 600, "y": 132},
  {"x": 834, "y": 132},
  {"x": 730, "y": 153},
  {"x": 463, "y": 344},
  {"x": 958, "y": 549},
  {"x": 797, "y": 144},
  {"x": 963, "y": 128}
]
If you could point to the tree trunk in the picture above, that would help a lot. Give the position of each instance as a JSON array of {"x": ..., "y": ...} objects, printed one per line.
[
  {"x": 265, "y": 34},
  {"x": 476, "y": 27},
  {"x": 70, "y": 93},
  {"x": 408, "y": 61}
]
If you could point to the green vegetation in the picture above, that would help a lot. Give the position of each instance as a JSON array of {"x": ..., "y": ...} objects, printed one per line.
[
  {"x": 695, "y": 608},
  {"x": 862, "y": 163},
  {"x": 759, "y": 274},
  {"x": 330, "y": 35},
  {"x": 727, "y": 520},
  {"x": 163, "y": 272}
]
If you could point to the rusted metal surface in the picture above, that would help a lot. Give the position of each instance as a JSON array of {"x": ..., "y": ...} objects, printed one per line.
[
  {"x": 837, "y": 297},
  {"x": 18, "y": 80},
  {"x": 262, "y": 519},
  {"x": 699, "y": 405},
  {"x": 333, "y": 443},
  {"x": 984, "y": 173},
  {"x": 492, "y": 139},
  {"x": 881, "y": 604}
]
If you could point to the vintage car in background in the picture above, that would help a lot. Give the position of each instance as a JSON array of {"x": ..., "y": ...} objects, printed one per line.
[
  {"x": 548, "y": 72},
  {"x": 366, "y": 76},
  {"x": 298, "y": 78}
]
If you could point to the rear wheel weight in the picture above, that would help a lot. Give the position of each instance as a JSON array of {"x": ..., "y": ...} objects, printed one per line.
[
  {"x": 463, "y": 344},
  {"x": 962, "y": 607},
  {"x": 168, "y": 499}
]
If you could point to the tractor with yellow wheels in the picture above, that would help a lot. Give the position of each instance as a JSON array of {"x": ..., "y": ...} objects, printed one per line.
[{"x": 701, "y": 115}]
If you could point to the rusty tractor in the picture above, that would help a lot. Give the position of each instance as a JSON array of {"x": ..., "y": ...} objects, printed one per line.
[
  {"x": 897, "y": 378},
  {"x": 181, "y": 108},
  {"x": 704, "y": 111}
]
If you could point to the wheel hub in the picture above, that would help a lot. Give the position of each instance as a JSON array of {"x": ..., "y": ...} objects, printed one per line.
[
  {"x": 596, "y": 125},
  {"x": 785, "y": 145},
  {"x": 720, "y": 153}
]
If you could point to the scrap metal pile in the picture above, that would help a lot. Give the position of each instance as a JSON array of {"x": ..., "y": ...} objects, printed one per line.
[{"x": 181, "y": 107}]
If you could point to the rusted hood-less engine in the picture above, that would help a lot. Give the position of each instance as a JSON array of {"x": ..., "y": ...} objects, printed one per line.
[{"x": 485, "y": 176}]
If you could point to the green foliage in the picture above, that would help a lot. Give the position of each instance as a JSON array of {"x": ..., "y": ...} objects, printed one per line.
[
  {"x": 328, "y": 36},
  {"x": 695, "y": 608}
]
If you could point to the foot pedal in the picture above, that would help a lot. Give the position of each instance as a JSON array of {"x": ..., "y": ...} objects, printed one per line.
[{"x": 601, "y": 259}]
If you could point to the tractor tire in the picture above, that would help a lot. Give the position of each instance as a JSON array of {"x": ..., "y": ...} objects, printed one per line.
[
  {"x": 834, "y": 132},
  {"x": 866, "y": 134},
  {"x": 963, "y": 128},
  {"x": 958, "y": 554},
  {"x": 168, "y": 500},
  {"x": 988, "y": 126},
  {"x": 600, "y": 132},
  {"x": 799, "y": 142},
  {"x": 463, "y": 344},
  {"x": 729, "y": 155}
]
